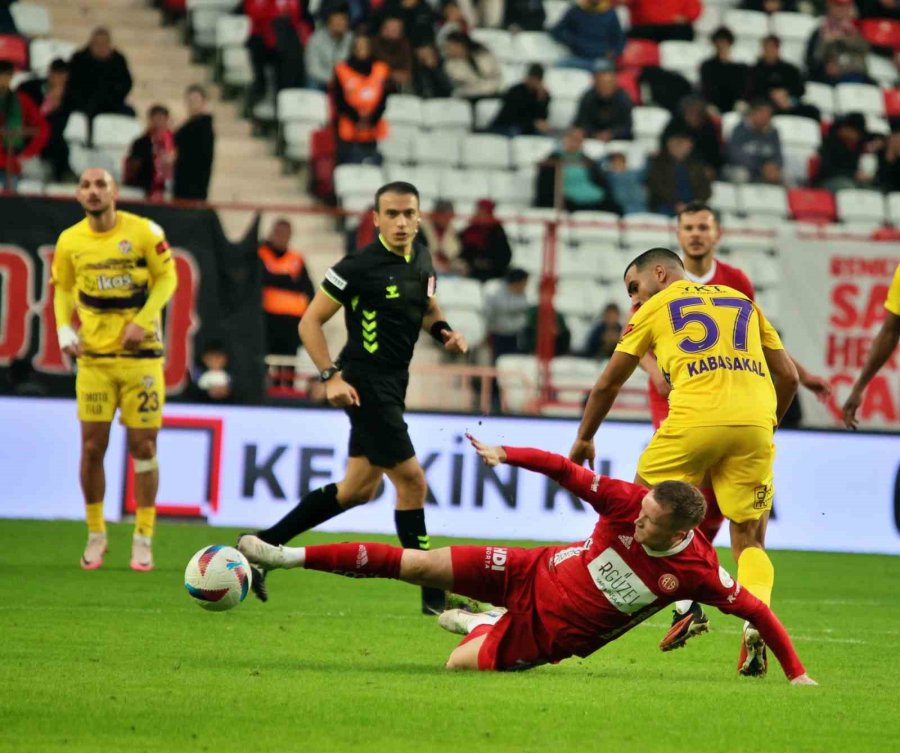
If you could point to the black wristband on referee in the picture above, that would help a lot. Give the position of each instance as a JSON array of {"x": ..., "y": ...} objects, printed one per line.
[{"x": 438, "y": 328}]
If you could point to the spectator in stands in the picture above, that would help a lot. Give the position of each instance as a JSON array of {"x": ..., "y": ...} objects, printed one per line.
[
  {"x": 524, "y": 15},
  {"x": 562, "y": 338},
  {"x": 660, "y": 20},
  {"x": 604, "y": 111},
  {"x": 472, "y": 68},
  {"x": 49, "y": 95},
  {"x": 7, "y": 23},
  {"x": 582, "y": 185},
  {"x": 23, "y": 130},
  {"x": 357, "y": 9},
  {"x": 506, "y": 313},
  {"x": 266, "y": 51},
  {"x": 838, "y": 41},
  {"x": 783, "y": 104},
  {"x": 430, "y": 80},
  {"x": 840, "y": 153},
  {"x": 99, "y": 79},
  {"x": 754, "y": 151},
  {"x": 151, "y": 159},
  {"x": 439, "y": 234},
  {"x": 770, "y": 6},
  {"x": 771, "y": 72},
  {"x": 693, "y": 118},
  {"x": 287, "y": 289},
  {"x": 879, "y": 9},
  {"x": 392, "y": 47},
  {"x": 526, "y": 106},
  {"x": 23, "y": 380},
  {"x": 888, "y": 176},
  {"x": 417, "y": 17},
  {"x": 360, "y": 97},
  {"x": 452, "y": 19},
  {"x": 722, "y": 81},
  {"x": 591, "y": 30},
  {"x": 328, "y": 46},
  {"x": 675, "y": 177},
  {"x": 605, "y": 334},
  {"x": 485, "y": 248},
  {"x": 211, "y": 381},
  {"x": 195, "y": 144},
  {"x": 627, "y": 185}
]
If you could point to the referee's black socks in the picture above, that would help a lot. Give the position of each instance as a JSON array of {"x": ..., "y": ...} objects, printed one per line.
[
  {"x": 315, "y": 508},
  {"x": 413, "y": 535}
]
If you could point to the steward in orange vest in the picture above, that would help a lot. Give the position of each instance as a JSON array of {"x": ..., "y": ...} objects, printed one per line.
[
  {"x": 360, "y": 95},
  {"x": 287, "y": 290}
]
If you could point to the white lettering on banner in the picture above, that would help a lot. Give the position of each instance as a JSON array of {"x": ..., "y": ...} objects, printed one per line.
[
  {"x": 619, "y": 583},
  {"x": 335, "y": 279}
]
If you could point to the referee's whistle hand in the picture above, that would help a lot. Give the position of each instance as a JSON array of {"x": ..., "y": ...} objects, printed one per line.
[{"x": 455, "y": 342}]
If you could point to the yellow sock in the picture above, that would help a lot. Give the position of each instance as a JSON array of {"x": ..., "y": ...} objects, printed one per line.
[
  {"x": 95, "y": 521},
  {"x": 756, "y": 573},
  {"x": 144, "y": 521}
]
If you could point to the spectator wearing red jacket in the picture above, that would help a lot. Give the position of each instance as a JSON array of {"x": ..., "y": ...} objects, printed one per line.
[
  {"x": 660, "y": 20},
  {"x": 263, "y": 41},
  {"x": 23, "y": 130}
]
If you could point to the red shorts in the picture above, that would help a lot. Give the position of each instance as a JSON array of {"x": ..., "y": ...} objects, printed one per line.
[{"x": 506, "y": 576}]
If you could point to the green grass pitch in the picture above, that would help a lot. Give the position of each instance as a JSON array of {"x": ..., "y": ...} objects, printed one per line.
[{"x": 113, "y": 660}]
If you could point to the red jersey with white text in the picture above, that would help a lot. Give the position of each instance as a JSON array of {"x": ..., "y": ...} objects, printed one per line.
[
  {"x": 720, "y": 274},
  {"x": 589, "y": 593}
]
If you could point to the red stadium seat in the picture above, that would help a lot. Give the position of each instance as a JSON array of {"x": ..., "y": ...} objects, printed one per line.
[
  {"x": 176, "y": 6},
  {"x": 15, "y": 49},
  {"x": 881, "y": 32},
  {"x": 628, "y": 82},
  {"x": 892, "y": 103},
  {"x": 812, "y": 204},
  {"x": 639, "y": 53}
]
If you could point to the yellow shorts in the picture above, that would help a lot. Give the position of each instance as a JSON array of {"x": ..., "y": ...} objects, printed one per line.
[
  {"x": 738, "y": 460},
  {"x": 133, "y": 385}
]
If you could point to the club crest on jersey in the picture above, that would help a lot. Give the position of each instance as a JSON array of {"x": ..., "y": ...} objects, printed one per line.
[
  {"x": 125, "y": 246},
  {"x": 627, "y": 541},
  {"x": 668, "y": 582},
  {"x": 147, "y": 381}
]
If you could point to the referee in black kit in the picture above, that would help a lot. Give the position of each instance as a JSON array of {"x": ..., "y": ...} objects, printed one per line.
[{"x": 387, "y": 292}]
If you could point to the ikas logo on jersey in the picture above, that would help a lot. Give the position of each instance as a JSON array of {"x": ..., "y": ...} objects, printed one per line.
[{"x": 125, "y": 246}]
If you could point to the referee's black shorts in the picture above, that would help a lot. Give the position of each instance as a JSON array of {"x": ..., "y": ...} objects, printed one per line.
[{"x": 378, "y": 431}]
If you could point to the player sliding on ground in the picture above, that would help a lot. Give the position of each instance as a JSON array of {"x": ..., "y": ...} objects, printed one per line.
[{"x": 561, "y": 601}]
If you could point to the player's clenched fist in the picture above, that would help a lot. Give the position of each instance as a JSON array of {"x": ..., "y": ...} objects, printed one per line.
[
  {"x": 339, "y": 393},
  {"x": 582, "y": 449}
]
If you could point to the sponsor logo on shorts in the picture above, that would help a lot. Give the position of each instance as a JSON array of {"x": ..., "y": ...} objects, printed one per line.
[
  {"x": 362, "y": 557},
  {"x": 761, "y": 497},
  {"x": 725, "y": 577},
  {"x": 125, "y": 246},
  {"x": 495, "y": 558},
  {"x": 335, "y": 279},
  {"x": 668, "y": 582},
  {"x": 619, "y": 583}
]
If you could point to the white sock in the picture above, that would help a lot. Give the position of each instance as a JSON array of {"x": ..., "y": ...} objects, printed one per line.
[
  {"x": 294, "y": 556},
  {"x": 483, "y": 618},
  {"x": 684, "y": 606}
]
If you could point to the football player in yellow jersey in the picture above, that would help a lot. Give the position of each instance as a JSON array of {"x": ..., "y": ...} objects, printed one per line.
[
  {"x": 882, "y": 347},
  {"x": 720, "y": 355},
  {"x": 116, "y": 270}
]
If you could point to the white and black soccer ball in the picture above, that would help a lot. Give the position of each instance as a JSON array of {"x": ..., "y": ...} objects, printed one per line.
[{"x": 218, "y": 577}]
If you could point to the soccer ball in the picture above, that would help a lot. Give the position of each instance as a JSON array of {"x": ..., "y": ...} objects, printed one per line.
[{"x": 218, "y": 577}]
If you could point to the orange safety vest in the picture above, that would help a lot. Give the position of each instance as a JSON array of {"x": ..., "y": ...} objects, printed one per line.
[
  {"x": 362, "y": 93},
  {"x": 277, "y": 300}
]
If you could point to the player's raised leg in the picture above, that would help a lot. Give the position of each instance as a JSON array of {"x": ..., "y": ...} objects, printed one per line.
[{"x": 94, "y": 441}]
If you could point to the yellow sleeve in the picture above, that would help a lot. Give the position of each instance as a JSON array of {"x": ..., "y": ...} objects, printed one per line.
[
  {"x": 768, "y": 336},
  {"x": 62, "y": 278},
  {"x": 163, "y": 277},
  {"x": 892, "y": 302},
  {"x": 637, "y": 337}
]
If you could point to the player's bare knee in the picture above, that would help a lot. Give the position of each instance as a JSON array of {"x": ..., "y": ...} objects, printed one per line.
[
  {"x": 142, "y": 449},
  {"x": 412, "y": 485},
  {"x": 357, "y": 495},
  {"x": 460, "y": 659},
  {"x": 93, "y": 449}
]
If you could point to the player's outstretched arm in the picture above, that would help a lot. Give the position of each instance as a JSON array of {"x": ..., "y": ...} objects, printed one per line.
[
  {"x": 786, "y": 379},
  {"x": 882, "y": 347}
]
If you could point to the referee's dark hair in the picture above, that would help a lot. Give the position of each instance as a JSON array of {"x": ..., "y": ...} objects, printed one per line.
[
  {"x": 692, "y": 207},
  {"x": 397, "y": 186},
  {"x": 656, "y": 256}
]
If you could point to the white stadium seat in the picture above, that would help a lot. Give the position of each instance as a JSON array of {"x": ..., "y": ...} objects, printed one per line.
[
  {"x": 460, "y": 292},
  {"x": 77, "y": 127},
  {"x": 763, "y": 200},
  {"x": 798, "y": 131},
  {"x": 437, "y": 148},
  {"x": 403, "y": 109},
  {"x": 729, "y": 123},
  {"x": 794, "y": 26},
  {"x": 297, "y": 136},
  {"x": 398, "y": 145},
  {"x": 237, "y": 69},
  {"x": 576, "y": 297},
  {"x": 115, "y": 131},
  {"x": 710, "y": 19},
  {"x": 562, "y": 113},
  {"x": 724, "y": 197},
  {"x": 745, "y": 51},
  {"x": 572, "y": 377},
  {"x": 486, "y": 150},
  {"x": 882, "y": 69},
  {"x": 31, "y": 20},
  {"x": 232, "y": 30},
  {"x": 554, "y": 10},
  {"x": 512, "y": 187},
  {"x": 485, "y": 112},
  {"x": 517, "y": 376},
  {"x": 820, "y": 95},
  {"x": 498, "y": 41},
  {"x": 305, "y": 105},
  {"x": 864, "y": 98},
  {"x": 463, "y": 185},
  {"x": 747, "y": 23},
  {"x": 421, "y": 176},
  {"x": 684, "y": 57},
  {"x": 649, "y": 123},
  {"x": 860, "y": 205},
  {"x": 567, "y": 83},
  {"x": 538, "y": 47},
  {"x": 471, "y": 323},
  {"x": 647, "y": 229},
  {"x": 592, "y": 227},
  {"x": 447, "y": 113},
  {"x": 42, "y": 52},
  {"x": 356, "y": 180},
  {"x": 203, "y": 23},
  {"x": 529, "y": 150},
  {"x": 893, "y": 207}
]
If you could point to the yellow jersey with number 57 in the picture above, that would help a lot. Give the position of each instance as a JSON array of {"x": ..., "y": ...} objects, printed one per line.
[{"x": 708, "y": 341}]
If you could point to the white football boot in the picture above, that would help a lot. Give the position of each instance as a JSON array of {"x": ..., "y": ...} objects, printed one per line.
[
  {"x": 258, "y": 552},
  {"x": 141, "y": 553},
  {"x": 93, "y": 552}
]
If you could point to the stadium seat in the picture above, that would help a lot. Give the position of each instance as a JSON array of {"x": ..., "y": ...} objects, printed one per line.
[
  {"x": 498, "y": 41},
  {"x": 881, "y": 32},
  {"x": 752, "y": 234},
  {"x": 572, "y": 377},
  {"x": 860, "y": 205},
  {"x": 752, "y": 24},
  {"x": 77, "y": 128},
  {"x": 709, "y": 20},
  {"x": 511, "y": 73},
  {"x": 593, "y": 228},
  {"x": 31, "y": 20},
  {"x": 297, "y": 138},
  {"x": 436, "y": 148},
  {"x": 729, "y": 122},
  {"x": 14, "y": 49},
  {"x": 639, "y": 53},
  {"x": 893, "y": 207},
  {"x": 554, "y": 10},
  {"x": 517, "y": 376},
  {"x": 576, "y": 297},
  {"x": 446, "y": 113},
  {"x": 529, "y": 255},
  {"x": 529, "y": 150},
  {"x": 562, "y": 113},
  {"x": 794, "y": 26},
  {"x": 459, "y": 185},
  {"x": 629, "y": 83},
  {"x": 635, "y": 152},
  {"x": 305, "y": 105},
  {"x": 878, "y": 125},
  {"x": 232, "y": 30},
  {"x": 66, "y": 190},
  {"x": 28, "y": 186},
  {"x": 798, "y": 131},
  {"x": 422, "y": 177},
  {"x": 512, "y": 187},
  {"x": 115, "y": 131},
  {"x": 398, "y": 145},
  {"x": 793, "y": 51},
  {"x": 42, "y": 52},
  {"x": 486, "y": 150},
  {"x": 470, "y": 323},
  {"x": 237, "y": 69},
  {"x": 567, "y": 83},
  {"x": 812, "y": 205},
  {"x": 892, "y": 103},
  {"x": 649, "y": 123},
  {"x": 724, "y": 197},
  {"x": 538, "y": 47},
  {"x": 647, "y": 229},
  {"x": 882, "y": 69},
  {"x": 822, "y": 96},
  {"x": 745, "y": 51},
  {"x": 684, "y": 57},
  {"x": 403, "y": 109},
  {"x": 202, "y": 23},
  {"x": 578, "y": 263},
  {"x": 763, "y": 200},
  {"x": 460, "y": 292},
  {"x": 864, "y": 98},
  {"x": 485, "y": 112},
  {"x": 357, "y": 180},
  {"x": 770, "y": 302}
]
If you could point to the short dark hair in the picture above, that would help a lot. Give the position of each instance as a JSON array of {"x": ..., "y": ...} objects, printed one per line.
[
  {"x": 7, "y": 67},
  {"x": 535, "y": 70},
  {"x": 197, "y": 89},
  {"x": 516, "y": 274},
  {"x": 157, "y": 110},
  {"x": 684, "y": 502},
  {"x": 58, "y": 65},
  {"x": 692, "y": 207},
  {"x": 772, "y": 38},
  {"x": 397, "y": 186},
  {"x": 654, "y": 255},
  {"x": 723, "y": 32}
]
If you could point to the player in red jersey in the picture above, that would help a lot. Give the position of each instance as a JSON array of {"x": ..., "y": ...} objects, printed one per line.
[{"x": 569, "y": 600}]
